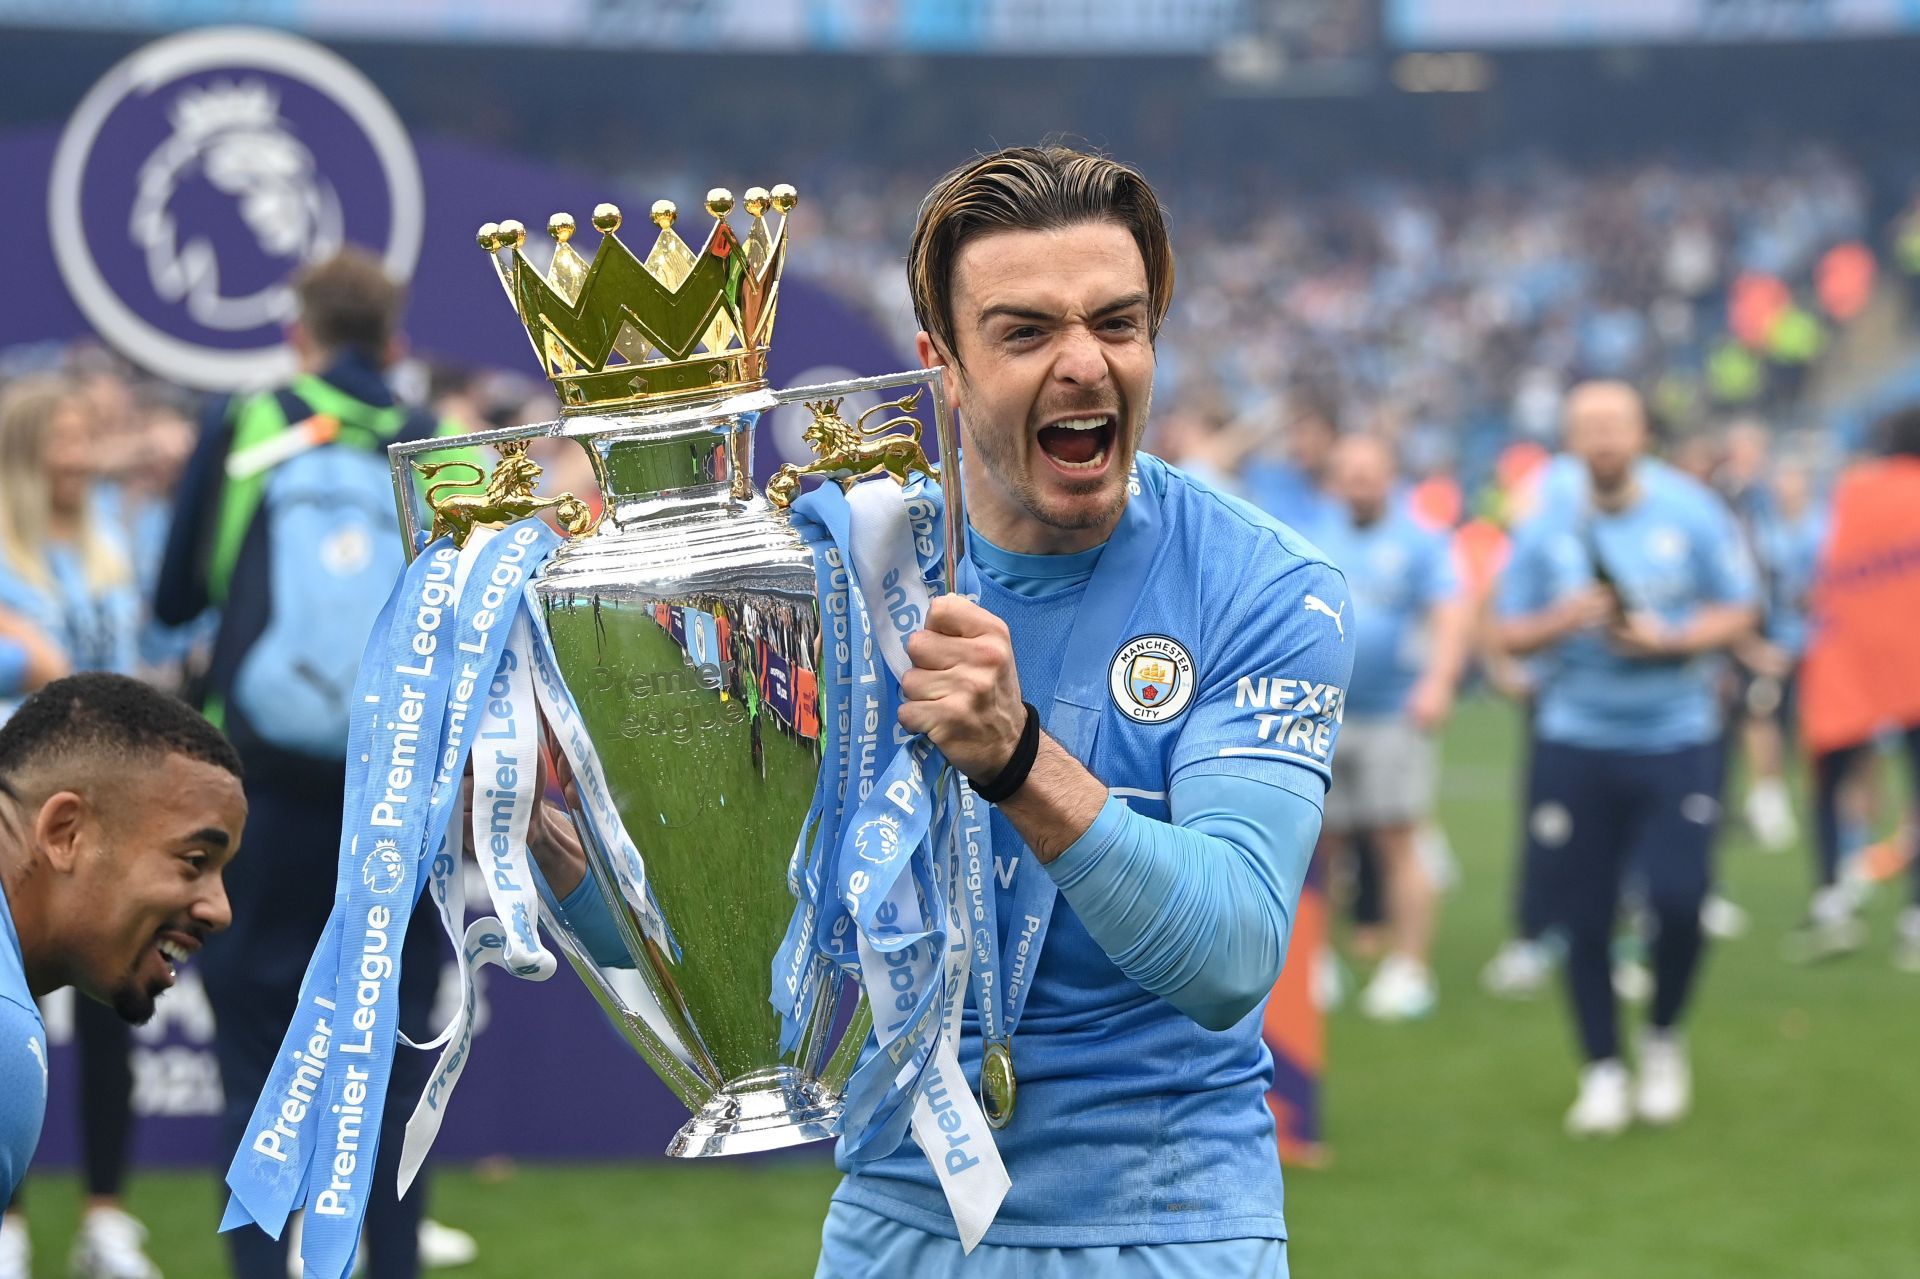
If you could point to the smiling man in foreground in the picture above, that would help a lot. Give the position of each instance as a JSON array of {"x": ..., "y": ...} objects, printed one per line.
[
  {"x": 119, "y": 809},
  {"x": 1148, "y": 697}
]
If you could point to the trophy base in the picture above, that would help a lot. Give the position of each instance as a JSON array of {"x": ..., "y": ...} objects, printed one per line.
[{"x": 765, "y": 1110}]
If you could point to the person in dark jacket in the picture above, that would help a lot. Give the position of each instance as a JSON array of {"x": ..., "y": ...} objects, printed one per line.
[{"x": 218, "y": 556}]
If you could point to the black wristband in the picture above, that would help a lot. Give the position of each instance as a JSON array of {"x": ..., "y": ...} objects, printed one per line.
[{"x": 1012, "y": 777}]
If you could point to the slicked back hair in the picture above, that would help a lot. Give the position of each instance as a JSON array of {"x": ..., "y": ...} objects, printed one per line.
[
  {"x": 102, "y": 716},
  {"x": 1040, "y": 188}
]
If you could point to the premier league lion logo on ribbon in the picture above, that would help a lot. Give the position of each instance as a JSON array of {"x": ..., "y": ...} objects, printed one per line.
[{"x": 383, "y": 870}]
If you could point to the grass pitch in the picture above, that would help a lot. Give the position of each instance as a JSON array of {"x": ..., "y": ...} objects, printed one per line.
[{"x": 1448, "y": 1160}]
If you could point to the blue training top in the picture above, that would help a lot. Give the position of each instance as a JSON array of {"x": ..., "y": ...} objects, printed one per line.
[
  {"x": 98, "y": 629},
  {"x": 1142, "y": 1117},
  {"x": 1291, "y": 496},
  {"x": 1790, "y": 549},
  {"x": 1397, "y": 571},
  {"x": 1674, "y": 550},
  {"x": 23, "y": 1060}
]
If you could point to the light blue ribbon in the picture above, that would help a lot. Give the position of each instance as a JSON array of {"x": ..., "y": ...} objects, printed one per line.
[
  {"x": 268, "y": 1173},
  {"x": 415, "y": 716},
  {"x": 1000, "y": 989},
  {"x": 871, "y": 902}
]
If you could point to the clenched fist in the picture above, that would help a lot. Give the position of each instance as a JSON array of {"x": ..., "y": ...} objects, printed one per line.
[{"x": 963, "y": 691}]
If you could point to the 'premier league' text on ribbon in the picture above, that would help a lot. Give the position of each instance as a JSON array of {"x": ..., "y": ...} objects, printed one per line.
[
  {"x": 403, "y": 782},
  {"x": 504, "y": 561}
]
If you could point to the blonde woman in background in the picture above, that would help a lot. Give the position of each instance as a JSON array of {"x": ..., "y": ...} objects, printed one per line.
[
  {"x": 68, "y": 593},
  {"x": 61, "y": 568}
]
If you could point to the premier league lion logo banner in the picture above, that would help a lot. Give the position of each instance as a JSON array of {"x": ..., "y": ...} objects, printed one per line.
[{"x": 182, "y": 259}]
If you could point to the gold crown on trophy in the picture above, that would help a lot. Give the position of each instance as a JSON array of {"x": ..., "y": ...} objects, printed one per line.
[{"x": 681, "y": 324}]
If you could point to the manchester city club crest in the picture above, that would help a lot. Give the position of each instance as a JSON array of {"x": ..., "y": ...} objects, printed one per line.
[
  {"x": 200, "y": 174},
  {"x": 1151, "y": 679}
]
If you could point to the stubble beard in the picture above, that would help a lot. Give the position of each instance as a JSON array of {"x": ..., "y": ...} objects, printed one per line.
[
  {"x": 1000, "y": 452},
  {"x": 1614, "y": 486},
  {"x": 128, "y": 993},
  {"x": 132, "y": 1002}
]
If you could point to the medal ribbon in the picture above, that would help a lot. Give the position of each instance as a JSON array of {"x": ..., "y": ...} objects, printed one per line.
[
  {"x": 1003, "y": 965},
  {"x": 881, "y": 869}
]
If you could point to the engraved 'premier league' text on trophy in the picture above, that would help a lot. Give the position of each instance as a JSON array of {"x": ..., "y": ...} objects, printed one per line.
[{"x": 685, "y": 624}]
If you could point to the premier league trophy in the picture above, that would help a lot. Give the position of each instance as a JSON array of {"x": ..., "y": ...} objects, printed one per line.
[{"x": 684, "y": 620}]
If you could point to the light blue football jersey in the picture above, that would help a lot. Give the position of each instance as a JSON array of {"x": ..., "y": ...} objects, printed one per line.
[
  {"x": 1790, "y": 549},
  {"x": 1397, "y": 572},
  {"x": 1291, "y": 496},
  {"x": 98, "y": 630},
  {"x": 23, "y": 1061},
  {"x": 1564, "y": 483},
  {"x": 1136, "y": 1126},
  {"x": 1675, "y": 550}
]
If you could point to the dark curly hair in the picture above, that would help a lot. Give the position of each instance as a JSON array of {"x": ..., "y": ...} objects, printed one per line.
[{"x": 113, "y": 716}]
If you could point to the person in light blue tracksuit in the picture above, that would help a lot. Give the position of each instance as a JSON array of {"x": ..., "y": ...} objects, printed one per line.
[
  {"x": 1167, "y": 858},
  {"x": 1153, "y": 852},
  {"x": 1787, "y": 544},
  {"x": 1631, "y": 595},
  {"x": 1409, "y": 630}
]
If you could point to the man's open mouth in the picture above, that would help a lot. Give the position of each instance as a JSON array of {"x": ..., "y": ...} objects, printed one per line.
[
  {"x": 1078, "y": 444},
  {"x": 174, "y": 949}
]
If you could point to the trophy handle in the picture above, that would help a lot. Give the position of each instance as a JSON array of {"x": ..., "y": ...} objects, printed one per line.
[
  {"x": 458, "y": 494},
  {"x": 850, "y": 452}
]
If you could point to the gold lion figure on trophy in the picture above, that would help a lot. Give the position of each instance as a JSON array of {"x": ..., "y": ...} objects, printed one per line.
[
  {"x": 847, "y": 451},
  {"x": 508, "y": 496}
]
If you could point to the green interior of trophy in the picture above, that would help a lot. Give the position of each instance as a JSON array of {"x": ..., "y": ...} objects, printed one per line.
[{"x": 710, "y": 761}]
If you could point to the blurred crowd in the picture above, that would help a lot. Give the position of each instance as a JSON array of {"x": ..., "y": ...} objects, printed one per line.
[
  {"x": 91, "y": 456},
  {"x": 1452, "y": 315},
  {"x": 1436, "y": 316}
]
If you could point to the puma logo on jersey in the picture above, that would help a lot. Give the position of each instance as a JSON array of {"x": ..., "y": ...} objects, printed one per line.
[
  {"x": 33, "y": 1046},
  {"x": 1314, "y": 604}
]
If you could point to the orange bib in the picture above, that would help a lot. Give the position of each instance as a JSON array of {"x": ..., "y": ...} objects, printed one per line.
[{"x": 1862, "y": 669}]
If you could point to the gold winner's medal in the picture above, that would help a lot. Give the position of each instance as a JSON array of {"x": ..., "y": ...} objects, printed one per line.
[{"x": 997, "y": 1084}]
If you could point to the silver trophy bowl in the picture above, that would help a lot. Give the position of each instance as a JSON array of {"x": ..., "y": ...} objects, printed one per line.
[{"x": 686, "y": 626}]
